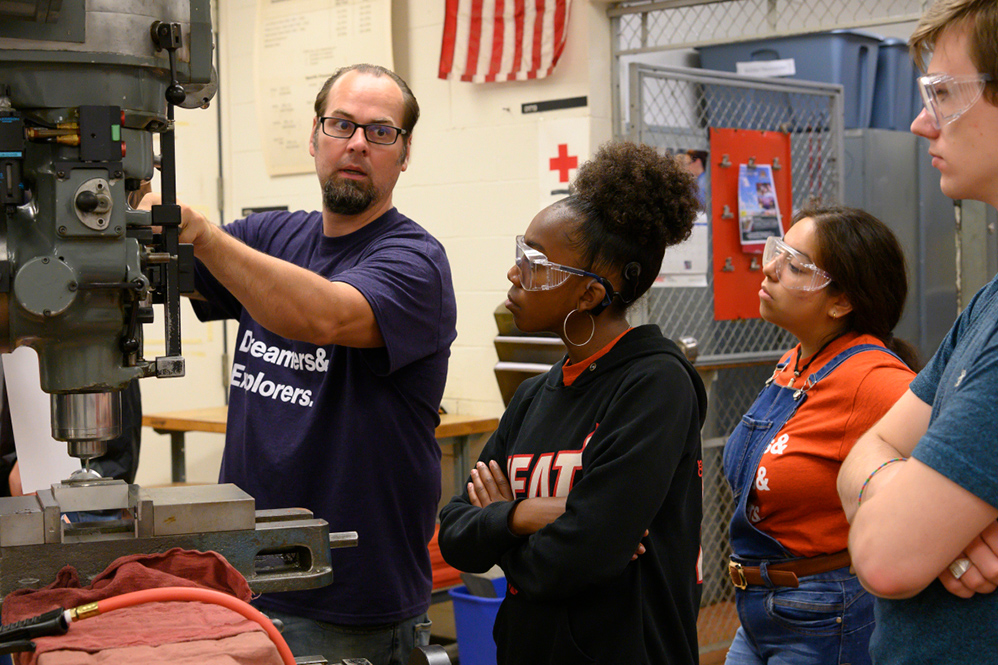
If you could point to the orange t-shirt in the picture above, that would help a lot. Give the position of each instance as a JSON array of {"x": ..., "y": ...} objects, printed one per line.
[{"x": 793, "y": 496}]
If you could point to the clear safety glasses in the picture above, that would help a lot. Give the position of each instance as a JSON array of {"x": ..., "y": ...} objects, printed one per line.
[
  {"x": 793, "y": 269},
  {"x": 539, "y": 274},
  {"x": 947, "y": 97}
]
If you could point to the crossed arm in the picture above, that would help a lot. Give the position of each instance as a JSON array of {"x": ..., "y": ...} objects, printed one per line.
[
  {"x": 489, "y": 484},
  {"x": 288, "y": 300},
  {"x": 913, "y": 521}
]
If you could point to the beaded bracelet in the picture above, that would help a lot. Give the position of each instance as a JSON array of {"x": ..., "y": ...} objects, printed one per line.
[{"x": 875, "y": 472}]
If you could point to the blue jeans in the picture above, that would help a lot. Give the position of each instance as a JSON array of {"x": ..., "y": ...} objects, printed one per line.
[
  {"x": 385, "y": 644},
  {"x": 827, "y": 620}
]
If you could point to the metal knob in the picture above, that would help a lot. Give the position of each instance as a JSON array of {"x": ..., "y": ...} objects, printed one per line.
[
  {"x": 87, "y": 201},
  {"x": 689, "y": 347}
]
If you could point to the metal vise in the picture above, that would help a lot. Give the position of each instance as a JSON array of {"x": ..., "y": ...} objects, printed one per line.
[{"x": 93, "y": 523}]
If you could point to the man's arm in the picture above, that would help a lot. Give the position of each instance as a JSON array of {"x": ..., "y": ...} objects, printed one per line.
[
  {"x": 913, "y": 521},
  {"x": 284, "y": 298}
]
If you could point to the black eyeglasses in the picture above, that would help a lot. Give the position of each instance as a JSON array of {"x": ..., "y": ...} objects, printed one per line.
[{"x": 340, "y": 128}]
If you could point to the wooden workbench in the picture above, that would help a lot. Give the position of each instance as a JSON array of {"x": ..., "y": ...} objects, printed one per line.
[{"x": 455, "y": 430}]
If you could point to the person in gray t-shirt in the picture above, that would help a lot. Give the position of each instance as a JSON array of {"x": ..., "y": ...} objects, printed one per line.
[{"x": 921, "y": 487}]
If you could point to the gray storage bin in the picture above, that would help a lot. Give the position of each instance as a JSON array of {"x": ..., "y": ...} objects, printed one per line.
[
  {"x": 896, "y": 101},
  {"x": 844, "y": 57}
]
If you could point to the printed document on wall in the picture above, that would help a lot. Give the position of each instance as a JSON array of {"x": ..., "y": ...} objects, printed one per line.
[
  {"x": 298, "y": 45},
  {"x": 685, "y": 264}
]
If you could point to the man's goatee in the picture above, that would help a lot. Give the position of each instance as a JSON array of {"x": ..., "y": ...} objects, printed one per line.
[{"x": 347, "y": 197}]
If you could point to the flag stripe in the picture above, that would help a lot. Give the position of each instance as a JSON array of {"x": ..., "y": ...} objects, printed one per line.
[
  {"x": 538, "y": 38},
  {"x": 502, "y": 40},
  {"x": 560, "y": 19},
  {"x": 474, "y": 37},
  {"x": 498, "y": 27},
  {"x": 450, "y": 36},
  {"x": 521, "y": 14}
]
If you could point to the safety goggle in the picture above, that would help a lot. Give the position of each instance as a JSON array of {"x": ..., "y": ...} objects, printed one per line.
[
  {"x": 793, "y": 269},
  {"x": 539, "y": 274},
  {"x": 947, "y": 97}
]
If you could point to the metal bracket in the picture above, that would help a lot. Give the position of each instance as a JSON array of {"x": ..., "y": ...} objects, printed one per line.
[{"x": 170, "y": 366}]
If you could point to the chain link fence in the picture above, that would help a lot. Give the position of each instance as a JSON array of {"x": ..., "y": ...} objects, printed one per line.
[
  {"x": 671, "y": 24},
  {"x": 672, "y": 109}
]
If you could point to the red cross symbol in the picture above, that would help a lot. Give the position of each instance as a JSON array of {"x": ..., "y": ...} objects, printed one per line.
[{"x": 563, "y": 163}]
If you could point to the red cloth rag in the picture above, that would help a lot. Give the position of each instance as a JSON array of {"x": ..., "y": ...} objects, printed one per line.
[{"x": 151, "y": 624}]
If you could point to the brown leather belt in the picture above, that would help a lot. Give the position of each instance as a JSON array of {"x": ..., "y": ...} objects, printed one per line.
[{"x": 786, "y": 573}]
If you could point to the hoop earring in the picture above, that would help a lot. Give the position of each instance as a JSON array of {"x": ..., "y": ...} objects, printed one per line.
[{"x": 564, "y": 328}]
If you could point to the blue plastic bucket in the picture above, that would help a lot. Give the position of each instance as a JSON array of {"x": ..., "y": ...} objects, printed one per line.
[{"x": 474, "y": 618}]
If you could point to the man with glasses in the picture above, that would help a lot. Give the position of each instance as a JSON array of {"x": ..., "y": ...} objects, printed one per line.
[
  {"x": 921, "y": 487},
  {"x": 346, "y": 316}
]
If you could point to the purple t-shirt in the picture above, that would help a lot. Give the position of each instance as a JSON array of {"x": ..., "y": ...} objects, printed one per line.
[{"x": 347, "y": 433}]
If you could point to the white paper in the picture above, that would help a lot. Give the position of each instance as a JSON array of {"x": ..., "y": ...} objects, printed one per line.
[
  {"x": 685, "y": 265},
  {"x": 300, "y": 44},
  {"x": 767, "y": 68},
  {"x": 41, "y": 459}
]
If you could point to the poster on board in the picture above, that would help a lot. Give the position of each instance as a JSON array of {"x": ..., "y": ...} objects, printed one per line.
[
  {"x": 758, "y": 209},
  {"x": 748, "y": 204}
]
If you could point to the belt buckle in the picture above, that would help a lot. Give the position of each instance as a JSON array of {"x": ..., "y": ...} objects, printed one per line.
[{"x": 737, "y": 575}]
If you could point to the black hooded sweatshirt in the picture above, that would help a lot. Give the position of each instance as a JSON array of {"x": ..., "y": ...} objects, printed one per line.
[{"x": 622, "y": 443}]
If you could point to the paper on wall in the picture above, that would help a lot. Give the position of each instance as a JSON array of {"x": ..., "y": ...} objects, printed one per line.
[
  {"x": 41, "y": 459},
  {"x": 685, "y": 264},
  {"x": 299, "y": 44}
]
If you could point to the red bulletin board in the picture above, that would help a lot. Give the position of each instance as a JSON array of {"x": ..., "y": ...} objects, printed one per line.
[{"x": 737, "y": 270}]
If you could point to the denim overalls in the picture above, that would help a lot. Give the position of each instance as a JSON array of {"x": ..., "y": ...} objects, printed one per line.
[{"x": 828, "y": 619}]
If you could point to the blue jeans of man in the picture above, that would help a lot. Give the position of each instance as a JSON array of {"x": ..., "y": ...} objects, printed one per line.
[
  {"x": 827, "y": 620},
  {"x": 386, "y": 644}
]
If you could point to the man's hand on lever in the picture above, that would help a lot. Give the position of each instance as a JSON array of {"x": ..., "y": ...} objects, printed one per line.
[{"x": 194, "y": 227}]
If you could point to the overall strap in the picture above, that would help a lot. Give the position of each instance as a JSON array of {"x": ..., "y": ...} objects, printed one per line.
[
  {"x": 779, "y": 368},
  {"x": 827, "y": 368}
]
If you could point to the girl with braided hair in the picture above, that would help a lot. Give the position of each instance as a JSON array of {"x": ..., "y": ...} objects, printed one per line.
[{"x": 589, "y": 494}]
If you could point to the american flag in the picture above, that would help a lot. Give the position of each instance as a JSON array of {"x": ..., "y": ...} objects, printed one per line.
[{"x": 502, "y": 40}]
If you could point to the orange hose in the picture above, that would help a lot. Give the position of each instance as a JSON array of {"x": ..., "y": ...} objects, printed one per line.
[{"x": 166, "y": 594}]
